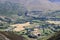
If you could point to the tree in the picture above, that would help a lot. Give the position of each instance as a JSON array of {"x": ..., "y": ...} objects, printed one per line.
[{"x": 43, "y": 27}]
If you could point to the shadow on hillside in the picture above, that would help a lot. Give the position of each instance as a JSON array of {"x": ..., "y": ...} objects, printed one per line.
[
  {"x": 55, "y": 36},
  {"x": 10, "y": 36}
]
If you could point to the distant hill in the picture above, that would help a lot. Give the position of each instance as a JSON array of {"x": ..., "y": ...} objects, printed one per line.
[
  {"x": 18, "y": 12},
  {"x": 9, "y": 8}
]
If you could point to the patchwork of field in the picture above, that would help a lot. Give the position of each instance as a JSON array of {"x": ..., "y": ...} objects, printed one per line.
[
  {"x": 53, "y": 22},
  {"x": 20, "y": 27}
]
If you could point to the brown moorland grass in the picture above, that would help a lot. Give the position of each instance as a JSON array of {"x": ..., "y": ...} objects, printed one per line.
[
  {"x": 11, "y": 35},
  {"x": 55, "y": 36}
]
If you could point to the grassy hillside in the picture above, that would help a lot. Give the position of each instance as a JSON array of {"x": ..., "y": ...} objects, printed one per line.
[{"x": 15, "y": 13}]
